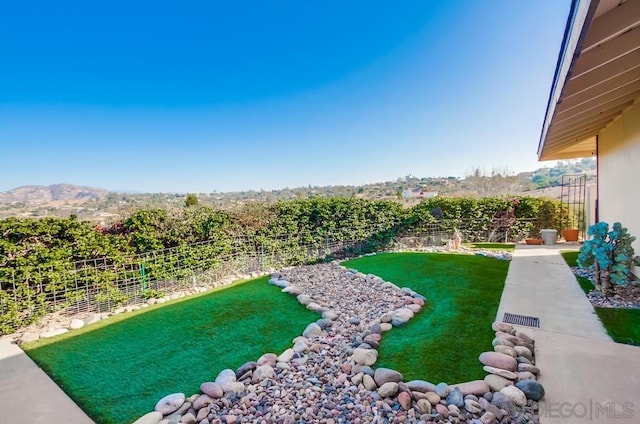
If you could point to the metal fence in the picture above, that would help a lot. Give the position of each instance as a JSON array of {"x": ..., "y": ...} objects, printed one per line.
[{"x": 102, "y": 285}]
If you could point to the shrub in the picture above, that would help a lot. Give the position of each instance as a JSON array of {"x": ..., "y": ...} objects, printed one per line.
[{"x": 609, "y": 254}]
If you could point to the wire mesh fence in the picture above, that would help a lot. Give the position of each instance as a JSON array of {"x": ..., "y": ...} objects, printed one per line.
[{"x": 104, "y": 284}]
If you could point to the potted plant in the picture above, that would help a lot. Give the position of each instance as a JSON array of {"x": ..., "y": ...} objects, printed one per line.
[
  {"x": 570, "y": 223},
  {"x": 534, "y": 241}
]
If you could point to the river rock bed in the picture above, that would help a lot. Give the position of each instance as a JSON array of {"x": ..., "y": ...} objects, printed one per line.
[
  {"x": 622, "y": 296},
  {"x": 327, "y": 374}
]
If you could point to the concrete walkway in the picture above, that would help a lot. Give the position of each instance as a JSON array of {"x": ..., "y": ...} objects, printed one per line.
[
  {"x": 28, "y": 395},
  {"x": 587, "y": 377}
]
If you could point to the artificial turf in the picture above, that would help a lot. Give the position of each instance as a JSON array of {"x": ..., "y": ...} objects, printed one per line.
[
  {"x": 510, "y": 247},
  {"x": 444, "y": 340},
  {"x": 622, "y": 324},
  {"x": 117, "y": 373}
]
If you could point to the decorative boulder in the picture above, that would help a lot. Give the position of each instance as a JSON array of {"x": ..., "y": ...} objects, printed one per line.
[{"x": 170, "y": 403}]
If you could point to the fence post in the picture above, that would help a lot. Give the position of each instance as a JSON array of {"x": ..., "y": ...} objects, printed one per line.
[
  {"x": 143, "y": 278},
  {"x": 327, "y": 256},
  {"x": 261, "y": 258}
]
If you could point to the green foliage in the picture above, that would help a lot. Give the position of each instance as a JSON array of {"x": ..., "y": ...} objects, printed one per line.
[
  {"x": 609, "y": 253},
  {"x": 22, "y": 307},
  {"x": 63, "y": 259},
  {"x": 191, "y": 200}
]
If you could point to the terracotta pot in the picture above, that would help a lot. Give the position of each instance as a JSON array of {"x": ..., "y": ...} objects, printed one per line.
[
  {"x": 570, "y": 235},
  {"x": 533, "y": 241}
]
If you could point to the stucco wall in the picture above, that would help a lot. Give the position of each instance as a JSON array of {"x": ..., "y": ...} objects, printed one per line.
[{"x": 619, "y": 173}]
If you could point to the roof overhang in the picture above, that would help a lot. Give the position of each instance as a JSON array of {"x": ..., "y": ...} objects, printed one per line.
[{"x": 597, "y": 76}]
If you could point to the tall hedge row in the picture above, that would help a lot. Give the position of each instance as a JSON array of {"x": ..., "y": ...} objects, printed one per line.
[{"x": 46, "y": 247}]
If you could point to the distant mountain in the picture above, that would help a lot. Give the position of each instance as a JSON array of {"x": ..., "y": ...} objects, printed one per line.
[{"x": 34, "y": 194}]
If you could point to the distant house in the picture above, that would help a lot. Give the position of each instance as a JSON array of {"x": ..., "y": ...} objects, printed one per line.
[
  {"x": 593, "y": 107},
  {"x": 417, "y": 193}
]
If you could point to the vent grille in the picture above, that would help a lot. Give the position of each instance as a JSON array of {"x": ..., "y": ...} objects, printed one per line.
[{"x": 524, "y": 320}]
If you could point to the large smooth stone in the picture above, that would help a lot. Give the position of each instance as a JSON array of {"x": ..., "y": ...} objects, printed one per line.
[
  {"x": 312, "y": 330},
  {"x": 442, "y": 389},
  {"x": 515, "y": 395},
  {"x": 286, "y": 356},
  {"x": 529, "y": 367},
  {"x": 456, "y": 398},
  {"x": 385, "y": 375},
  {"x": 502, "y": 373},
  {"x": 245, "y": 368},
  {"x": 503, "y": 401},
  {"x": 498, "y": 360},
  {"x": 421, "y": 386},
  {"x": 523, "y": 351},
  {"x": 404, "y": 399},
  {"x": 212, "y": 389},
  {"x": 531, "y": 389},
  {"x": 497, "y": 383},
  {"x": 299, "y": 346},
  {"x": 267, "y": 359},
  {"x": 424, "y": 406},
  {"x": 507, "y": 350},
  {"x": 502, "y": 327},
  {"x": 151, "y": 418},
  {"x": 388, "y": 389},
  {"x": 76, "y": 324},
  {"x": 401, "y": 316},
  {"x": 365, "y": 356},
  {"x": 170, "y": 403},
  {"x": 262, "y": 373},
  {"x": 369, "y": 383},
  {"x": 373, "y": 340},
  {"x": 476, "y": 387},
  {"x": 304, "y": 299},
  {"x": 472, "y": 406},
  {"x": 226, "y": 378},
  {"x": 202, "y": 401}
]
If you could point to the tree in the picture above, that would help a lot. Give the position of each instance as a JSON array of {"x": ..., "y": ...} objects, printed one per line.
[
  {"x": 191, "y": 200},
  {"x": 496, "y": 183}
]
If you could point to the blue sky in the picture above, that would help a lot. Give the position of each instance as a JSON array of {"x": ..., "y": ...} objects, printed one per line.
[{"x": 202, "y": 96}]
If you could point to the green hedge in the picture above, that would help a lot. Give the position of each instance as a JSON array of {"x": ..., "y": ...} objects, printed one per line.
[{"x": 42, "y": 257}]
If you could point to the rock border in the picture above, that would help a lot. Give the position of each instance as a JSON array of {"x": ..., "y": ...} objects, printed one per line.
[{"x": 326, "y": 375}]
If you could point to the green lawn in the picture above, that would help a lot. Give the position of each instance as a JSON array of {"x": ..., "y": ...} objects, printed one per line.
[
  {"x": 623, "y": 325},
  {"x": 509, "y": 247},
  {"x": 117, "y": 373},
  {"x": 443, "y": 341}
]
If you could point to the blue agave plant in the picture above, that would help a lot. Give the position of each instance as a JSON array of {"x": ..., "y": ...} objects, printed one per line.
[{"x": 609, "y": 253}]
